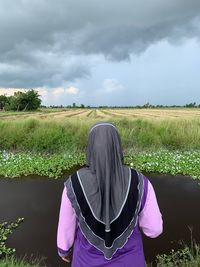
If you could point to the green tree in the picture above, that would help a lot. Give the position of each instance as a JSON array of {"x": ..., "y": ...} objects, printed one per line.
[
  {"x": 3, "y": 101},
  {"x": 147, "y": 105},
  {"x": 190, "y": 105},
  {"x": 11, "y": 104},
  {"x": 24, "y": 101},
  {"x": 31, "y": 100}
]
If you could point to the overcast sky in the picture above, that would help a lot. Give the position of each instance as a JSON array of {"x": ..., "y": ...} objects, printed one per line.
[{"x": 96, "y": 52}]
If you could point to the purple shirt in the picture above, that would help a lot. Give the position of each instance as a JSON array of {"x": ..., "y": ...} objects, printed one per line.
[{"x": 84, "y": 254}]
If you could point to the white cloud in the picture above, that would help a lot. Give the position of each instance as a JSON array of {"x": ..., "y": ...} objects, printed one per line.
[
  {"x": 110, "y": 86},
  {"x": 43, "y": 91},
  {"x": 58, "y": 92},
  {"x": 11, "y": 91},
  {"x": 44, "y": 94},
  {"x": 72, "y": 90}
]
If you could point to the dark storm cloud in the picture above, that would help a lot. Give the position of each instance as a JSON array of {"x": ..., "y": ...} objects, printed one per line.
[{"x": 46, "y": 42}]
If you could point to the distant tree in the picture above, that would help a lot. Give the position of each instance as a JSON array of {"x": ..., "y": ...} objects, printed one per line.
[
  {"x": 74, "y": 105},
  {"x": 105, "y": 107},
  {"x": 146, "y": 105},
  {"x": 28, "y": 101},
  {"x": 31, "y": 100},
  {"x": 82, "y": 106},
  {"x": 3, "y": 101},
  {"x": 190, "y": 105},
  {"x": 24, "y": 101},
  {"x": 11, "y": 104}
]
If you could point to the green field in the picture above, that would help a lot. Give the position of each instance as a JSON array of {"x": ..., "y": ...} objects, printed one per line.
[
  {"x": 49, "y": 142},
  {"x": 50, "y": 131}
]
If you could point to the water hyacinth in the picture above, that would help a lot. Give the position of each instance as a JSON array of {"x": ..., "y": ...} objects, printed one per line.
[
  {"x": 5, "y": 230},
  {"x": 24, "y": 164},
  {"x": 167, "y": 162},
  {"x": 53, "y": 166}
]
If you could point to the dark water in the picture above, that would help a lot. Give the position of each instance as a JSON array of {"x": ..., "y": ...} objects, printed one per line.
[
  {"x": 179, "y": 200},
  {"x": 38, "y": 200}
]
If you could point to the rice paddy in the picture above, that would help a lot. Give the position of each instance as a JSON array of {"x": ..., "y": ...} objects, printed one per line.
[{"x": 131, "y": 113}]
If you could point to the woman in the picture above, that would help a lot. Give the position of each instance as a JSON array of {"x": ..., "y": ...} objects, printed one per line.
[{"x": 105, "y": 206}]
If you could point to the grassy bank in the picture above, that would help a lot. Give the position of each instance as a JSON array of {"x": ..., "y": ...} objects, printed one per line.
[
  {"x": 186, "y": 257},
  {"x": 49, "y": 147},
  {"x": 48, "y": 135}
]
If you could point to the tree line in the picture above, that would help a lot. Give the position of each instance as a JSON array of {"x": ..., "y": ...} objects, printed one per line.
[
  {"x": 147, "y": 105},
  {"x": 30, "y": 100},
  {"x": 21, "y": 101}
]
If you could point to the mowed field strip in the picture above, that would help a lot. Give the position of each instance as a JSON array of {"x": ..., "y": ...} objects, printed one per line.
[
  {"x": 104, "y": 114},
  {"x": 43, "y": 114},
  {"x": 153, "y": 113}
]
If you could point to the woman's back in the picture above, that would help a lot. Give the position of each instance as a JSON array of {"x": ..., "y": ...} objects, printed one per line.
[
  {"x": 149, "y": 221},
  {"x": 84, "y": 254},
  {"x": 105, "y": 205}
]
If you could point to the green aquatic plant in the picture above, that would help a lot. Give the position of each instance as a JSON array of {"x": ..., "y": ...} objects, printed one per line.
[
  {"x": 23, "y": 164},
  {"x": 54, "y": 166},
  {"x": 12, "y": 261},
  {"x": 168, "y": 162},
  {"x": 5, "y": 230},
  {"x": 185, "y": 257}
]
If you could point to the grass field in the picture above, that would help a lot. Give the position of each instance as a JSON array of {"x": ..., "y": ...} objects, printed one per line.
[
  {"x": 134, "y": 113},
  {"x": 54, "y": 131},
  {"x": 154, "y": 140}
]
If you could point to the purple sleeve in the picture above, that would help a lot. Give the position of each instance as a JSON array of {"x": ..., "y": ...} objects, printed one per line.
[
  {"x": 66, "y": 226},
  {"x": 150, "y": 218}
]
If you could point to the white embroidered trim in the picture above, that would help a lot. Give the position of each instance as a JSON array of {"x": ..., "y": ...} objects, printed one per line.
[
  {"x": 87, "y": 199},
  {"x": 103, "y": 123},
  {"x": 125, "y": 197}
]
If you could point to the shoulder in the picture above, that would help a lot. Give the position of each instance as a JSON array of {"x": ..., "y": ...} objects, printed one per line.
[
  {"x": 141, "y": 177},
  {"x": 145, "y": 182},
  {"x": 83, "y": 172},
  {"x": 73, "y": 174}
]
